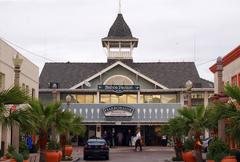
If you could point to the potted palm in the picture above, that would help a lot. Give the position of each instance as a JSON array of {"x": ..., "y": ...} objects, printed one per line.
[
  {"x": 23, "y": 149},
  {"x": 188, "y": 151},
  {"x": 13, "y": 156},
  {"x": 196, "y": 120},
  {"x": 177, "y": 129},
  {"x": 52, "y": 153},
  {"x": 217, "y": 150}
]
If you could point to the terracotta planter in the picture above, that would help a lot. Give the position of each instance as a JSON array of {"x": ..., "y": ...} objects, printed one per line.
[
  {"x": 210, "y": 160},
  {"x": 25, "y": 160},
  {"x": 229, "y": 159},
  {"x": 12, "y": 160},
  {"x": 60, "y": 156},
  {"x": 52, "y": 156},
  {"x": 68, "y": 150},
  {"x": 188, "y": 157}
]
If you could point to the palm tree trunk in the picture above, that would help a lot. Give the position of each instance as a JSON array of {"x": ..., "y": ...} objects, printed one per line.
[
  {"x": 198, "y": 148},
  {"x": 42, "y": 143}
]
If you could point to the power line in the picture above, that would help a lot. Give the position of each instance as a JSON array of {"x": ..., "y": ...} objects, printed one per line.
[
  {"x": 34, "y": 54},
  {"x": 206, "y": 62}
]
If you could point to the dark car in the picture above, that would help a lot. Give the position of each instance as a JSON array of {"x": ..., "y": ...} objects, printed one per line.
[{"x": 96, "y": 148}]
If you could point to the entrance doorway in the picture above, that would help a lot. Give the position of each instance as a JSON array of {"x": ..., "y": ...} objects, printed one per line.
[{"x": 118, "y": 135}]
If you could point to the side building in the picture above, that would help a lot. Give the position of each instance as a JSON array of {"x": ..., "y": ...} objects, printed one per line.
[
  {"x": 226, "y": 70},
  {"x": 120, "y": 95},
  {"x": 231, "y": 68},
  {"x": 27, "y": 78}
]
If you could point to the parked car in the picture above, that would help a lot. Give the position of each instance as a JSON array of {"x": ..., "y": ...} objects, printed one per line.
[
  {"x": 96, "y": 148},
  {"x": 205, "y": 144}
]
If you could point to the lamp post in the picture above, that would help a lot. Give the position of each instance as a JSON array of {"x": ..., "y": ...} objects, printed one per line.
[
  {"x": 17, "y": 62},
  {"x": 54, "y": 92},
  {"x": 189, "y": 86},
  {"x": 68, "y": 100}
]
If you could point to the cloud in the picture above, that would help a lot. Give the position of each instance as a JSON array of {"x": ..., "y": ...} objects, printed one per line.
[{"x": 72, "y": 29}]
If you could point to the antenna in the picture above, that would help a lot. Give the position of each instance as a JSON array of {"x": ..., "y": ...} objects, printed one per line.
[
  {"x": 194, "y": 48},
  {"x": 120, "y": 6}
]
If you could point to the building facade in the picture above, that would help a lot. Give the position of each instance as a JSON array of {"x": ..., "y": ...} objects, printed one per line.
[
  {"x": 27, "y": 77},
  {"x": 231, "y": 68},
  {"x": 226, "y": 70},
  {"x": 120, "y": 95}
]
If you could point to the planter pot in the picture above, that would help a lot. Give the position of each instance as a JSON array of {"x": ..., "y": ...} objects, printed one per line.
[
  {"x": 210, "y": 161},
  {"x": 188, "y": 157},
  {"x": 25, "y": 160},
  {"x": 60, "y": 156},
  {"x": 68, "y": 150},
  {"x": 52, "y": 156},
  {"x": 12, "y": 160},
  {"x": 34, "y": 157},
  {"x": 229, "y": 159}
]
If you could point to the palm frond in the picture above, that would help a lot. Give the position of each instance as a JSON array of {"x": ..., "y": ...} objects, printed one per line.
[{"x": 14, "y": 95}]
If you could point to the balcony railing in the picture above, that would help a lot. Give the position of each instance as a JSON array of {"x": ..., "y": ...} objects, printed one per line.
[{"x": 142, "y": 112}]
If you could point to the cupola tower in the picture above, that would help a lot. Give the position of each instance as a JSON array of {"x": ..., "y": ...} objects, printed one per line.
[{"x": 119, "y": 43}]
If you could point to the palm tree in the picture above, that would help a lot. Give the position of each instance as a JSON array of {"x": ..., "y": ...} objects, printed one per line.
[
  {"x": 177, "y": 129},
  {"x": 52, "y": 117},
  {"x": 14, "y": 95},
  {"x": 196, "y": 120},
  {"x": 231, "y": 111},
  {"x": 19, "y": 117}
]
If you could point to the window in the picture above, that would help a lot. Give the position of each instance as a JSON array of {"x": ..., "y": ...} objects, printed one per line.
[
  {"x": 234, "y": 80},
  {"x": 168, "y": 98},
  {"x": 33, "y": 93},
  {"x": 118, "y": 99},
  {"x": 2, "y": 81},
  {"x": 105, "y": 98},
  {"x": 118, "y": 80},
  {"x": 27, "y": 89},
  {"x": 86, "y": 99},
  {"x": 163, "y": 98},
  {"x": 23, "y": 86}
]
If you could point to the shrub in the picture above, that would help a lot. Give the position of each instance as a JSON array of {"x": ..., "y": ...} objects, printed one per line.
[
  {"x": 188, "y": 145},
  {"x": 217, "y": 150}
]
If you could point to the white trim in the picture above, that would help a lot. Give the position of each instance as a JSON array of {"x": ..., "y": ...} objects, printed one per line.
[
  {"x": 123, "y": 76},
  {"x": 123, "y": 65}
]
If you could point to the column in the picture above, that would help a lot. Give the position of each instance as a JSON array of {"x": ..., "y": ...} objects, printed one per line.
[
  {"x": 205, "y": 99},
  {"x": 182, "y": 99},
  {"x": 219, "y": 84},
  {"x": 98, "y": 97},
  {"x": 138, "y": 97}
]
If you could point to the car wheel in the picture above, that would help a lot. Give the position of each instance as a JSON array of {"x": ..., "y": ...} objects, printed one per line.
[
  {"x": 107, "y": 157},
  {"x": 85, "y": 157}
]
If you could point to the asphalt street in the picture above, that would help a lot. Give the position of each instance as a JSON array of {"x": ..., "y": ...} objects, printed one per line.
[{"x": 129, "y": 155}]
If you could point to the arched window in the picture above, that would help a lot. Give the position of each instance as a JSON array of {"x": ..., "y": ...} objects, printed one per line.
[{"x": 118, "y": 80}]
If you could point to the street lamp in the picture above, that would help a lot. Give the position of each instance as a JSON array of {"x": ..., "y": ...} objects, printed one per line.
[
  {"x": 68, "y": 100},
  {"x": 189, "y": 86},
  {"x": 17, "y": 62}
]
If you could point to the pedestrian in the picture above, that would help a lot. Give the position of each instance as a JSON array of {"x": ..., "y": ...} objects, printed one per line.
[
  {"x": 128, "y": 138},
  {"x": 139, "y": 140}
]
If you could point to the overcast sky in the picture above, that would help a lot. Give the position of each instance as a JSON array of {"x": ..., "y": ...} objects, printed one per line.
[{"x": 71, "y": 30}]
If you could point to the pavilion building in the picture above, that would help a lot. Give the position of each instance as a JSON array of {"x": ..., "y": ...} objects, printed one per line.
[{"x": 120, "y": 95}]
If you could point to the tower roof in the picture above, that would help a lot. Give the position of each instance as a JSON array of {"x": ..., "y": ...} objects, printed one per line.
[{"x": 120, "y": 29}]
